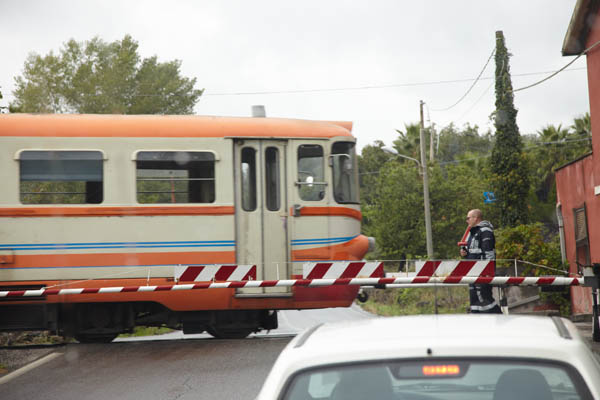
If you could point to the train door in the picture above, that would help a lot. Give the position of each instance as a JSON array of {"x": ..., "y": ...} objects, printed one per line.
[
  {"x": 261, "y": 211},
  {"x": 310, "y": 238}
]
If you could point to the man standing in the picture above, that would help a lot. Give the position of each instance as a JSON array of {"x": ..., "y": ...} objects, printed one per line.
[{"x": 481, "y": 245}]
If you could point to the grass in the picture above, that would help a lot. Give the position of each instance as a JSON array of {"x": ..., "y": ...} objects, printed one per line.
[
  {"x": 147, "y": 331},
  {"x": 26, "y": 338},
  {"x": 412, "y": 301}
]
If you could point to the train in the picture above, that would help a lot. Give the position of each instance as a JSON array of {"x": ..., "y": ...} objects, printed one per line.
[{"x": 92, "y": 201}]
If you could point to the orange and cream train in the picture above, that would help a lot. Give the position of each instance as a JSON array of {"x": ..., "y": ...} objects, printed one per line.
[{"x": 105, "y": 200}]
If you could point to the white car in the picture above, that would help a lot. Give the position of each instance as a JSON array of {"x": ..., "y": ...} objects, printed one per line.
[{"x": 430, "y": 357}]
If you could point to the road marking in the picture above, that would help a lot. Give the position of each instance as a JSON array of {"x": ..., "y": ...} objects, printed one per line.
[{"x": 28, "y": 367}]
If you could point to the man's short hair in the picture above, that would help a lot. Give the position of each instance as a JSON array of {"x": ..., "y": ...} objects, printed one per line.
[{"x": 477, "y": 213}]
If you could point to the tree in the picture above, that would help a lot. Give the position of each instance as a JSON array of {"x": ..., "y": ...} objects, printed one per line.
[
  {"x": 409, "y": 143},
  {"x": 456, "y": 189},
  {"x": 552, "y": 147},
  {"x": 370, "y": 162},
  {"x": 582, "y": 126},
  {"x": 96, "y": 77},
  {"x": 508, "y": 165},
  {"x": 397, "y": 215},
  {"x": 463, "y": 144},
  {"x": 397, "y": 211}
]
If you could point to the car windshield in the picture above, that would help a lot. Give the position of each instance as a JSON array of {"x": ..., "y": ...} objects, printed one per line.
[{"x": 439, "y": 379}]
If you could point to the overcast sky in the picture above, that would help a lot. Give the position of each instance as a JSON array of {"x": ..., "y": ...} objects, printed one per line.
[{"x": 399, "y": 47}]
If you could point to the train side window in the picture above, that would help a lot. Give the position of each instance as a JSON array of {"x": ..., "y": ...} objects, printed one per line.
[
  {"x": 248, "y": 168},
  {"x": 175, "y": 177},
  {"x": 345, "y": 174},
  {"x": 61, "y": 177},
  {"x": 272, "y": 179},
  {"x": 311, "y": 175}
]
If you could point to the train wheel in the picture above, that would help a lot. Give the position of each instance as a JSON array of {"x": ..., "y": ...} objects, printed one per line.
[
  {"x": 95, "y": 338},
  {"x": 362, "y": 296},
  {"x": 229, "y": 333}
]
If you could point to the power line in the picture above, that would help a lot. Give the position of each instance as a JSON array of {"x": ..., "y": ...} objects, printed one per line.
[
  {"x": 476, "y": 101},
  {"x": 533, "y": 146},
  {"x": 566, "y": 141},
  {"x": 472, "y": 86},
  {"x": 482, "y": 95},
  {"x": 560, "y": 70},
  {"x": 368, "y": 87}
]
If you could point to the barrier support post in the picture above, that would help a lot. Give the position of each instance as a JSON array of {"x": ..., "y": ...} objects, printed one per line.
[
  {"x": 591, "y": 276},
  {"x": 595, "y": 322}
]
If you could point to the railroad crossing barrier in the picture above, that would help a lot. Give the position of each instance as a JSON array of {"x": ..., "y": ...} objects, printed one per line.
[
  {"x": 375, "y": 282},
  {"x": 338, "y": 273}
]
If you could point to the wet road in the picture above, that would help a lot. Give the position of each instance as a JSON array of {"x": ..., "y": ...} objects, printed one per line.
[{"x": 175, "y": 366}]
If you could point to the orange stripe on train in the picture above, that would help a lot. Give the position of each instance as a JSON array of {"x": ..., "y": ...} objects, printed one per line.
[
  {"x": 354, "y": 249},
  {"x": 329, "y": 211},
  {"x": 96, "y": 211},
  {"x": 119, "y": 259}
]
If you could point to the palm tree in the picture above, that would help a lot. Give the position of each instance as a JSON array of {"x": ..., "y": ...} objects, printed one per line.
[
  {"x": 408, "y": 143},
  {"x": 582, "y": 126}
]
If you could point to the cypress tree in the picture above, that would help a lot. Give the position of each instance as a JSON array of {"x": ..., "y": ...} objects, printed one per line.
[{"x": 510, "y": 179}]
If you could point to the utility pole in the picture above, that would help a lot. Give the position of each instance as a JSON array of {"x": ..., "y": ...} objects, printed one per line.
[{"x": 425, "y": 186}]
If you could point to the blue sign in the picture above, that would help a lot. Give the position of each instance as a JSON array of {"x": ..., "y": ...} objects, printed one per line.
[{"x": 489, "y": 197}]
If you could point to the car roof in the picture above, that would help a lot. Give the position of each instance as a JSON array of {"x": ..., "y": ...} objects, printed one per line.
[
  {"x": 439, "y": 335},
  {"x": 424, "y": 328},
  {"x": 481, "y": 336}
]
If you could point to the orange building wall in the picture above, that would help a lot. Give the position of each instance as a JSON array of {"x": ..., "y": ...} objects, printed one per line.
[
  {"x": 574, "y": 187},
  {"x": 576, "y": 183},
  {"x": 593, "y": 68}
]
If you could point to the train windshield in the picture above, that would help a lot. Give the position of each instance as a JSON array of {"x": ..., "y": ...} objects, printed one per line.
[{"x": 345, "y": 182}]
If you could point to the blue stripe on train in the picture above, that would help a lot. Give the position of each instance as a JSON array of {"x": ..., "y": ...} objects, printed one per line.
[
  {"x": 116, "y": 245},
  {"x": 147, "y": 245}
]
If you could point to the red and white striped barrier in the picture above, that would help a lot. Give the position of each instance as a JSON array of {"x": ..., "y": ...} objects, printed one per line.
[
  {"x": 342, "y": 269},
  {"x": 505, "y": 280},
  {"x": 214, "y": 272},
  {"x": 456, "y": 268}
]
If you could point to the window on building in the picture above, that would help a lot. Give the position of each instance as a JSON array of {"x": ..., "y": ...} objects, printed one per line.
[
  {"x": 61, "y": 177},
  {"x": 175, "y": 177},
  {"x": 311, "y": 175},
  {"x": 581, "y": 236}
]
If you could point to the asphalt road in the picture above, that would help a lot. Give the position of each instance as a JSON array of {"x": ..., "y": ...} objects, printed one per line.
[{"x": 168, "y": 367}]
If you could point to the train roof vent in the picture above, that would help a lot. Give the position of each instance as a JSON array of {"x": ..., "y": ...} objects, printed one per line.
[{"x": 259, "y": 111}]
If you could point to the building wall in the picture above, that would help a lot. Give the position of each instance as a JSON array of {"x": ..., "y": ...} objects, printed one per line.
[
  {"x": 578, "y": 183},
  {"x": 593, "y": 68},
  {"x": 574, "y": 187}
]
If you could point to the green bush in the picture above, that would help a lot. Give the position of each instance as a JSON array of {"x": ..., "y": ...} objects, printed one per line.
[{"x": 535, "y": 244}]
